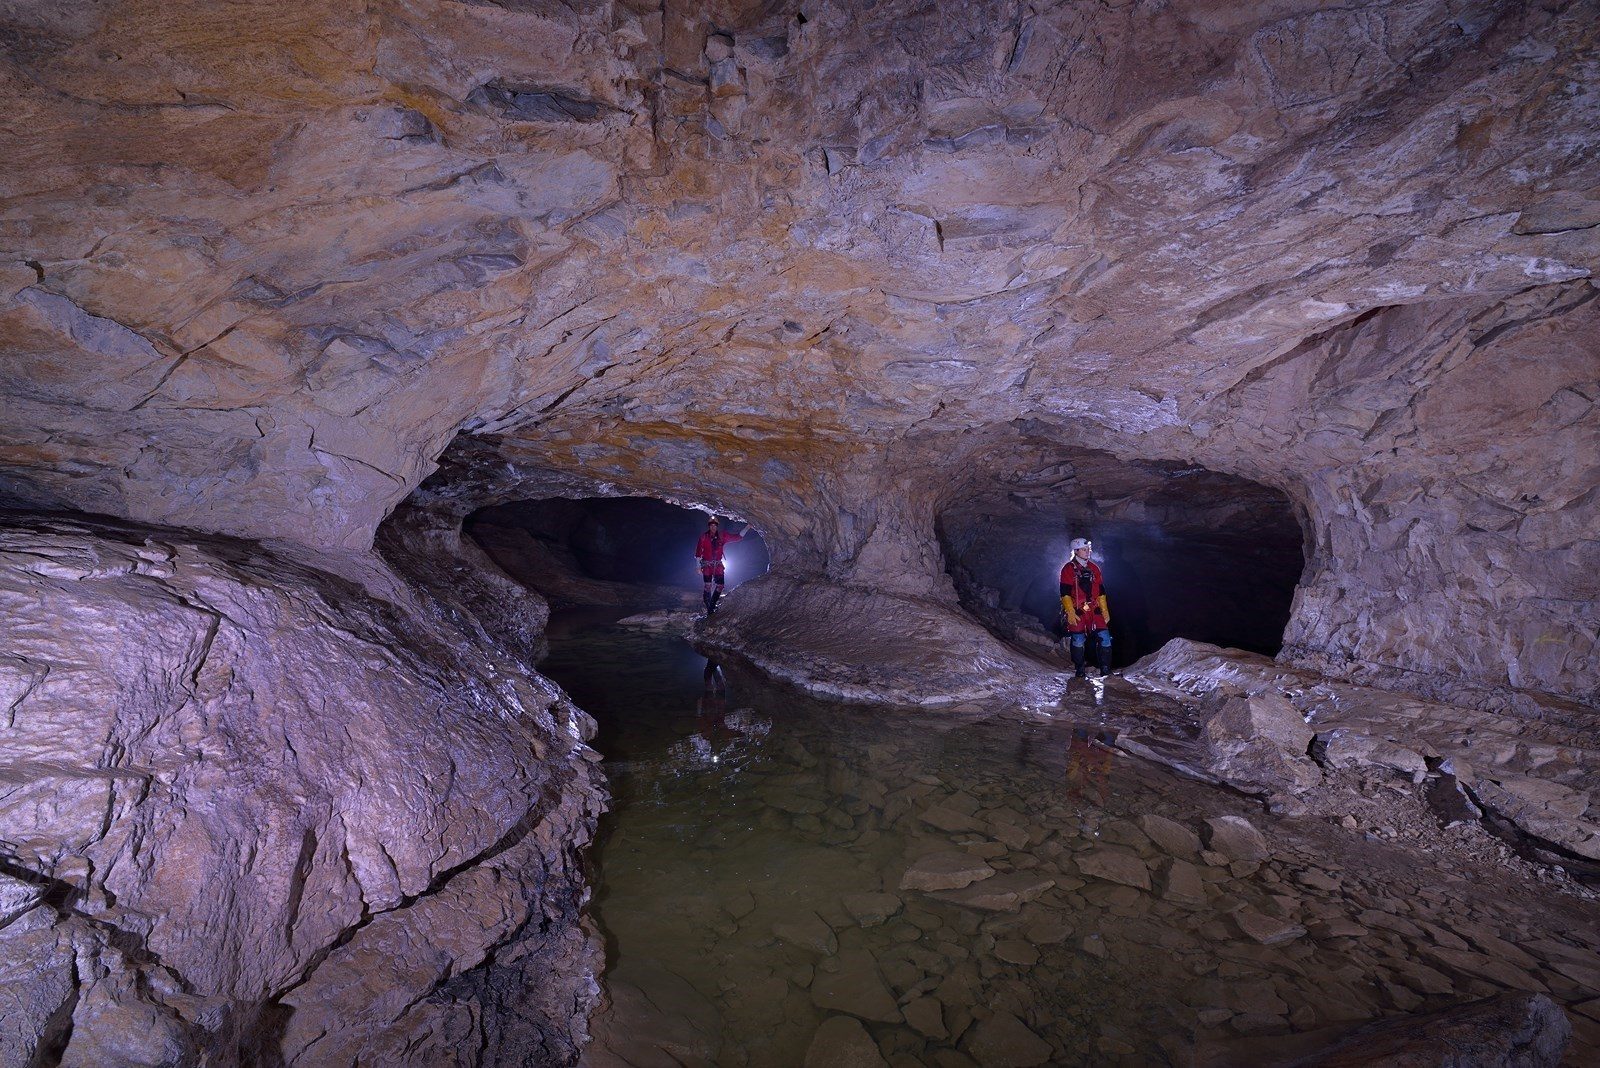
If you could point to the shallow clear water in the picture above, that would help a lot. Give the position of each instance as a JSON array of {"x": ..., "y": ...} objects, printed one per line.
[{"x": 750, "y": 888}]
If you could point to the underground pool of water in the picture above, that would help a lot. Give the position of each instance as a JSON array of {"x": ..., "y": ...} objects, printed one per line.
[{"x": 782, "y": 879}]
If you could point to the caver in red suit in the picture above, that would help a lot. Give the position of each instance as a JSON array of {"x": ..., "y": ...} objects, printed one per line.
[
  {"x": 708, "y": 558},
  {"x": 1085, "y": 612}
]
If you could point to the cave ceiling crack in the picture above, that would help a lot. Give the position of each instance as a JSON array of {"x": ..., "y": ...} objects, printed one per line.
[
  {"x": 562, "y": 315},
  {"x": 179, "y": 360},
  {"x": 585, "y": 378},
  {"x": 1554, "y": 307},
  {"x": 320, "y": 451},
  {"x": 1585, "y": 291}
]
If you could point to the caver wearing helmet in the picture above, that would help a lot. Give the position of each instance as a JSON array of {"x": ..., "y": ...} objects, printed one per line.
[
  {"x": 708, "y": 559},
  {"x": 1085, "y": 611}
]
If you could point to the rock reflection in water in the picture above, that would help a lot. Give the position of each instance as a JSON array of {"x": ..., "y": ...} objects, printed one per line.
[{"x": 800, "y": 883}]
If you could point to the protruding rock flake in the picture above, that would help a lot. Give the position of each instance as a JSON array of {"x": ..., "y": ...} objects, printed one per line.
[{"x": 197, "y": 721}]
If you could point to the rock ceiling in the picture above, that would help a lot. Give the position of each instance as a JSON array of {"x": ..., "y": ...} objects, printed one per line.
[{"x": 264, "y": 263}]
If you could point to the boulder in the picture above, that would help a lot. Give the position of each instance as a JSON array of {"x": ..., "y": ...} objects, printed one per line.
[
  {"x": 1267, "y": 930},
  {"x": 1003, "y": 893},
  {"x": 1346, "y": 748},
  {"x": 1114, "y": 865},
  {"x": 292, "y": 791},
  {"x": 1169, "y": 835},
  {"x": 1258, "y": 744},
  {"x": 1180, "y": 883},
  {"x": 1236, "y": 838},
  {"x": 1548, "y": 811},
  {"x": 1240, "y": 718}
]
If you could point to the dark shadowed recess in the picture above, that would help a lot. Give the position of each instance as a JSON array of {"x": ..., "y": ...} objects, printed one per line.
[
  {"x": 600, "y": 550},
  {"x": 1186, "y": 552}
]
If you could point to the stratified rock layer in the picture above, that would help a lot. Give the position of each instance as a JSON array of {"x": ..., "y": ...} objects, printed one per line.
[
  {"x": 828, "y": 268},
  {"x": 1536, "y": 776},
  {"x": 252, "y": 805}
]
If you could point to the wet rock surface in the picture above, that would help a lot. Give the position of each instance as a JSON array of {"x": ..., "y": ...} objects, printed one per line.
[
  {"x": 249, "y": 802},
  {"x": 817, "y": 635},
  {"x": 1507, "y": 1029},
  {"x": 1166, "y": 921},
  {"x": 1531, "y": 779}
]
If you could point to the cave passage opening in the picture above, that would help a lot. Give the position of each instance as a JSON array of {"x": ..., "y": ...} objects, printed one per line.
[
  {"x": 591, "y": 552},
  {"x": 1186, "y": 552}
]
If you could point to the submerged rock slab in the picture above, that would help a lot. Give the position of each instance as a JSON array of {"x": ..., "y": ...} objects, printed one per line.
[
  {"x": 854, "y": 985},
  {"x": 841, "y": 1042},
  {"x": 1004, "y": 1041},
  {"x": 280, "y": 810},
  {"x": 948, "y": 870},
  {"x": 1524, "y": 1030},
  {"x": 1003, "y": 893}
]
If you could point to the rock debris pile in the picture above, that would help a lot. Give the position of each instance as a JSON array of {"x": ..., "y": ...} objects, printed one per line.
[{"x": 1295, "y": 738}]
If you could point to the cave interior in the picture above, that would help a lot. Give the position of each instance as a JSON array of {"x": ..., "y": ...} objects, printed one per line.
[{"x": 369, "y": 369}]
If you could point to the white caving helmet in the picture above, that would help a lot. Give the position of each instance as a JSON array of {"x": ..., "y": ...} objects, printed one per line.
[{"x": 1080, "y": 543}]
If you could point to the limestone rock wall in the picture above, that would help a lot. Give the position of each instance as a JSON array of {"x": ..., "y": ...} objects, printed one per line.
[
  {"x": 249, "y": 805},
  {"x": 262, "y": 266},
  {"x": 1448, "y": 457}
]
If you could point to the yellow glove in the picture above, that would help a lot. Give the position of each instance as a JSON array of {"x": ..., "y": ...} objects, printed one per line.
[
  {"x": 1105, "y": 610},
  {"x": 1069, "y": 611}
]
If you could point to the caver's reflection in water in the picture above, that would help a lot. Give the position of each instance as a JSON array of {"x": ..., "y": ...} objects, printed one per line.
[
  {"x": 716, "y": 682},
  {"x": 713, "y": 708},
  {"x": 1089, "y": 763},
  {"x": 722, "y": 739}
]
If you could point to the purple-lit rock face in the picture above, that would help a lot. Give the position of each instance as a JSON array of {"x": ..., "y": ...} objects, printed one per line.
[
  {"x": 252, "y": 805},
  {"x": 912, "y": 287},
  {"x": 817, "y": 266}
]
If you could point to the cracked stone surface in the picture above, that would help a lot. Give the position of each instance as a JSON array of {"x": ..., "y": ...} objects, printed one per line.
[
  {"x": 259, "y": 273},
  {"x": 226, "y": 824}
]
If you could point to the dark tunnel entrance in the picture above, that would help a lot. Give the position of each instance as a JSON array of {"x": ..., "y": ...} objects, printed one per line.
[
  {"x": 1186, "y": 553},
  {"x": 608, "y": 552}
]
